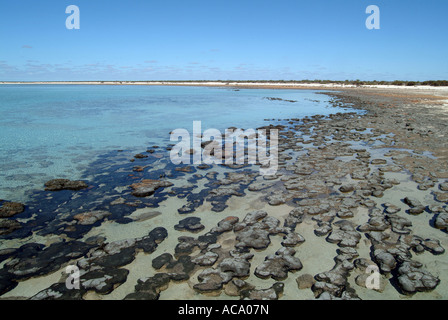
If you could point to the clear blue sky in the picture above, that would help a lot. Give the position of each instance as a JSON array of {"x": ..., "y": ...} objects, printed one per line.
[{"x": 223, "y": 39}]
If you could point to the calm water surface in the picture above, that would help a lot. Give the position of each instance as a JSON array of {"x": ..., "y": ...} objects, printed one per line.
[{"x": 55, "y": 131}]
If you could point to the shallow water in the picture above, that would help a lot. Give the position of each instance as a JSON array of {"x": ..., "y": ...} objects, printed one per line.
[
  {"x": 49, "y": 217},
  {"x": 55, "y": 131}
]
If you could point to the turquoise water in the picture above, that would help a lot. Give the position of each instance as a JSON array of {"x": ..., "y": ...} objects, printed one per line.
[{"x": 55, "y": 131}]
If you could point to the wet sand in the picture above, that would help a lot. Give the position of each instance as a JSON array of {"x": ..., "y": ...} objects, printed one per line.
[{"x": 357, "y": 189}]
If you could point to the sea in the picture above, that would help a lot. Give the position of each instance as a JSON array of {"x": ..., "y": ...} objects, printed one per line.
[{"x": 57, "y": 131}]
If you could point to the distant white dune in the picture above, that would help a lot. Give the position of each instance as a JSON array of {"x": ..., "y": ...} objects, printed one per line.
[{"x": 237, "y": 84}]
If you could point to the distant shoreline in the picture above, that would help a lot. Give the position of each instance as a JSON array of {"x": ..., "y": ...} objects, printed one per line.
[
  {"x": 241, "y": 84},
  {"x": 398, "y": 91}
]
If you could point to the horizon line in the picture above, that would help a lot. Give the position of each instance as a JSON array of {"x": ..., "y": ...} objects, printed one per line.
[{"x": 238, "y": 81}]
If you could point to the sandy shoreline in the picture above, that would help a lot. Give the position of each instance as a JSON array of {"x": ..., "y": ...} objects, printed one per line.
[
  {"x": 337, "y": 205},
  {"x": 243, "y": 84},
  {"x": 404, "y": 92}
]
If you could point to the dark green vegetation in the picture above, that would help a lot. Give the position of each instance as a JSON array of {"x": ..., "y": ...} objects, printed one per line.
[{"x": 434, "y": 83}]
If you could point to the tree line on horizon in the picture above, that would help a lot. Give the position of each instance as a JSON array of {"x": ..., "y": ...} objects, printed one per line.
[{"x": 433, "y": 83}]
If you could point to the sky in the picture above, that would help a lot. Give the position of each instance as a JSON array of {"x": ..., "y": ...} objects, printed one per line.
[{"x": 223, "y": 40}]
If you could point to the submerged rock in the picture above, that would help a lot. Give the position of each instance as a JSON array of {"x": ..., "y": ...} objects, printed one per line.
[
  {"x": 391, "y": 209},
  {"x": 305, "y": 281},
  {"x": 122, "y": 252},
  {"x": 412, "y": 202},
  {"x": 279, "y": 264},
  {"x": 58, "y": 291},
  {"x": 295, "y": 217},
  {"x": 225, "y": 224},
  {"x": 64, "y": 184},
  {"x": 34, "y": 260},
  {"x": 378, "y": 161},
  {"x": 345, "y": 235},
  {"x": 7, "y": 226},
  {"x": 9, "y": 209},
  {"x": 323, "y": 228},
  {"x": 140, "y": 156},
  {"x": 150, "y": 288},
  {"x": 147, "y": 187},
  {"x": 399, "y": 224},
  {"x": 272, "y": 293},
  {"x": 236, "y": 266},
  {"x": 236, "y": 286},
  {"x": 207, "y": 259},
  {"x": 6, "y": 283},
  {"x": 292, "y": 239},
  {"x": 149, "y": 243},
  {"x": 433, "y": 246},
  {"x": 385, "y": 260},
  {"x": 347, "y": 188},
  {"x": 255, "y": 229},
  {"x": 192, "y": 224},
  {"x": 416, "y": 210},
  {"x": 226, "y": 191},
  {"x": 103, "y": 281},
  {"x": 333, "y": 284},
  {"x": 91, "y": 217},
  {"x": 276, "y": 199},
  {"x": 212, "y": 280},
  {"x": 441, "y": 221},
  {"x": 443, "y": 186},
  {"x": 362, "y": 280},
  {"x": 162, "y": 260},
  {"x": 441, "y": 196},
  {"x": 413, "y": 278}
]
